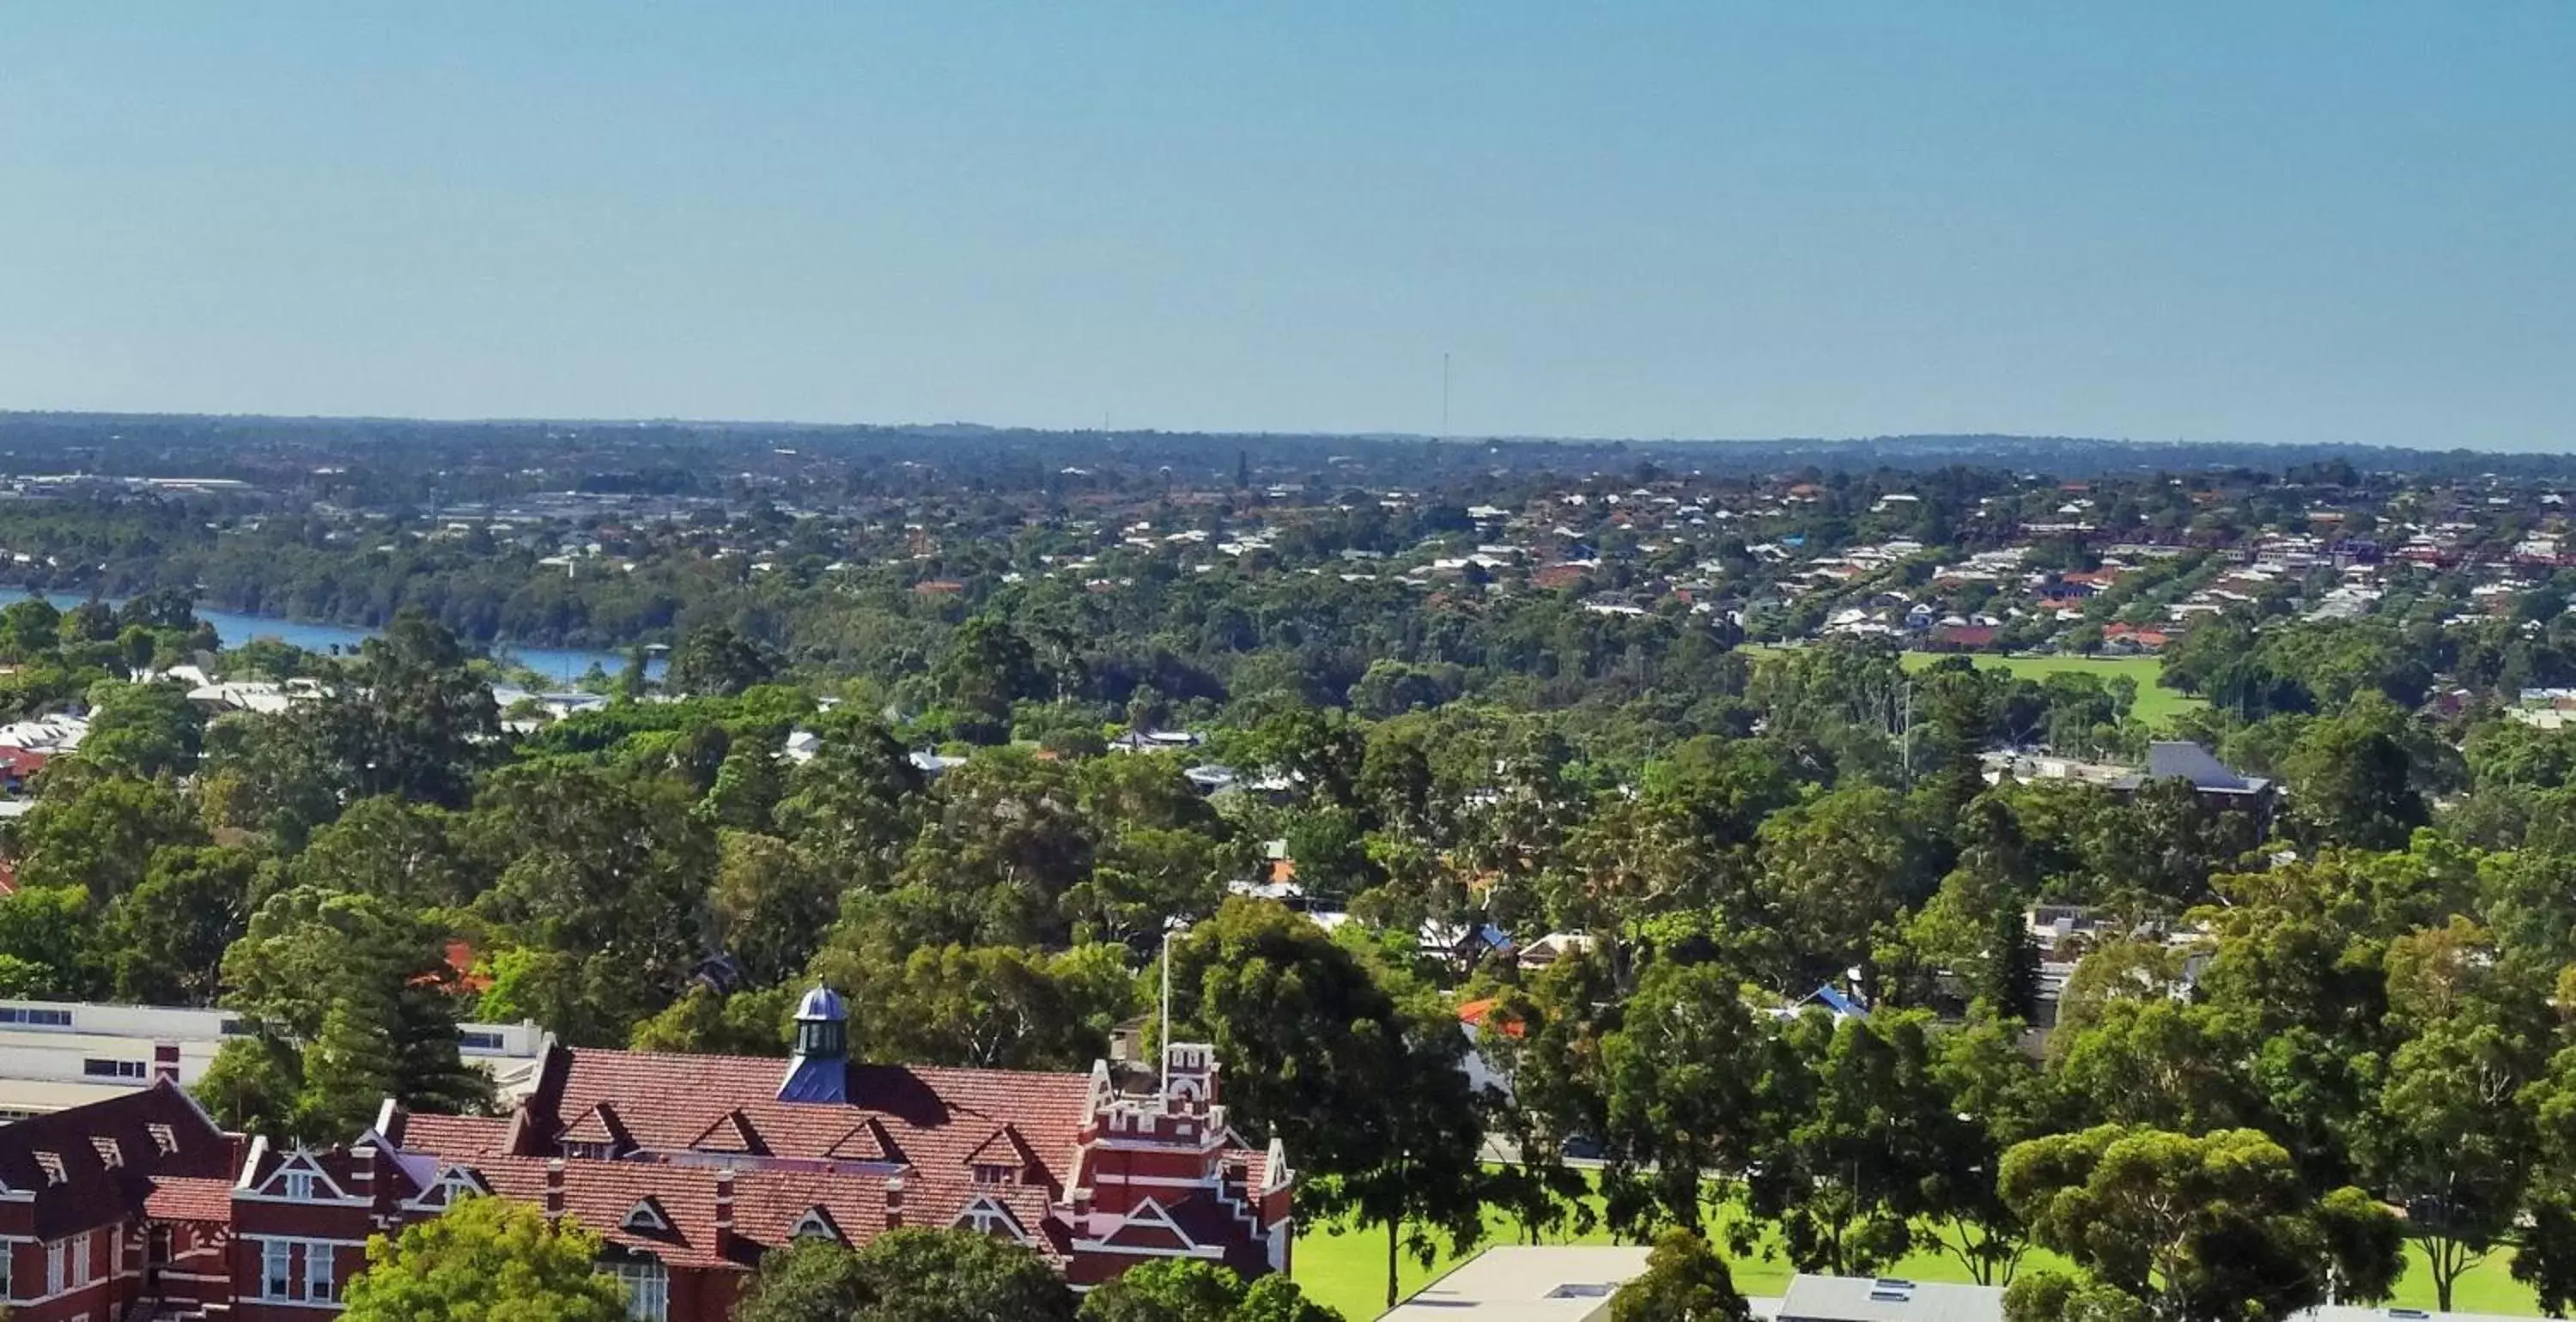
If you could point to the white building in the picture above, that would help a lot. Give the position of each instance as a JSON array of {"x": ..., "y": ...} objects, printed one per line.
[{"x": 59, "y": 1054}]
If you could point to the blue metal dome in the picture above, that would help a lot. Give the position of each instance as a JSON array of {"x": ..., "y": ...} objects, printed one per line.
[{"x": 822, "y": 1005}]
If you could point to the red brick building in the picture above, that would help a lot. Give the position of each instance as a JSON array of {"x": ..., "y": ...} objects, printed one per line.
[
  {"x": 114, "y": 1202},
  {"x": 691, "y": 1167}
]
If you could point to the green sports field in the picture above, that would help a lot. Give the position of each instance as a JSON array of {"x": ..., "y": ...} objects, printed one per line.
[
  {"x": 1347, "y": 1271},
  {"x": 2157, "y": 705}
]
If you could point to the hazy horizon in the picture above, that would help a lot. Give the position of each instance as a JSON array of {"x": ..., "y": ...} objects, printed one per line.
[{"x": 2305, "y": 223}]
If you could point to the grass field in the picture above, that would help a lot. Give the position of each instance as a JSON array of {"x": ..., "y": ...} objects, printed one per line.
[
  {"x": 1347, "y": 1271},
  {"x": 2157, "y": 705}
]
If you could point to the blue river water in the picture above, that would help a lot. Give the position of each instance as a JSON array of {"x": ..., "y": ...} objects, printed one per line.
[{"x": 563, "y": 664}]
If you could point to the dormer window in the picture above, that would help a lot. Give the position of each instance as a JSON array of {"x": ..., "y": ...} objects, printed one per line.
[
  {"x": 110, "y": 1153},
  {"x": 990, "y": 1176},
  {"x": 52, "y": 1164},
  {"x": 574, "y": 1151},
  {"x": 164, "y": 1139},
  {"x": 816, "y": 1224},
  {"x": 297, "y": 1185},
  {"x": 646, "y": 1218}
]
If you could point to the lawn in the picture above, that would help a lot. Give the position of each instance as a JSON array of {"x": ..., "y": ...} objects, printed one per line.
[
  {"x": 1347, "y": 1270},
  {"x": 2157, "y": 705}
]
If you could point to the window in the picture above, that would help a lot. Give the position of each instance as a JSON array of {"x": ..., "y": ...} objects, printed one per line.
[
  {"x": 318, "y": 1271},
  {"x": 475, "y": 1041},
  {"x": 233, "y": 1028},
  {"x": 11, "y": 1014},
  {"x": 97, "y": 1068},
  {"x": 164, "y": 1138},
  {"x": 996, "y": 1175},
  {"x": 590, "y": 1151},
  {"x": 57, "y": 1256},
  {"x": 80, "y": 1260},
  {"x": 296, "y": 1184},
  {"x": 984, "y": 1218},
  {"x": 648, "y": 1288},
  {"x": 279, "y": 1278},
  {"x": 815, "y": 1224},
  {"x": 8, "y": 1281},
  {"x": 110, "y": 1153},
  {"x": 646, "y": 1216},
  {"x": 52, "y": 1162}
]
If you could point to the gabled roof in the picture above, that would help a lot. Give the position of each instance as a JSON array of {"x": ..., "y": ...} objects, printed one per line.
[
  {"x": 867, "y": 1141},
  {"x": 92, "y": 1192},
  {"x": 730, "y": 1132},
  {"x": 1004, "y": 1147},
  {"x": 599, "y": 1124},
  {"x": 926, "y": 1118}
]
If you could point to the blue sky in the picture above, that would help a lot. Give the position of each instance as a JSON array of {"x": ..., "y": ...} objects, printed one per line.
[{"x": 2274, "y": 221}]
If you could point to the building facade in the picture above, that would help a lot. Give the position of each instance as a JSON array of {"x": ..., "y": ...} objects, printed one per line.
[{"x": 690, "y": 1167}]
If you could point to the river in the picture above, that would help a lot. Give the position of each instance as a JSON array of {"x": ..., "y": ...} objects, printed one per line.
[{"x": 562, "y": 664}]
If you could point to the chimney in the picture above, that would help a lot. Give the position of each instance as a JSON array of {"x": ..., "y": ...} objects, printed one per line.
[
  {"x": 165, "y": 1062},
  {"x": 362, "y": 1171},
  {"x": 894, "y": 1202},
  {"x": 554, "y": 1189},
  {"x": 724, "y": 1208}
]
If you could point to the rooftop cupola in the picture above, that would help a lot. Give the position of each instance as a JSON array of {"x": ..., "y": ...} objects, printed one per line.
[{"x": 820, "y": 1072}]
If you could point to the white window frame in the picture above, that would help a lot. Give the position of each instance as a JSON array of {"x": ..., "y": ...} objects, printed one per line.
[
  {"x": 82, "y": 1264},
  {"x": 276, "y": 1268},
  {"x": 296, "y": 1184},
  {"x": 648, "y": 1287},
  {"x": 321, "y": 1271}
]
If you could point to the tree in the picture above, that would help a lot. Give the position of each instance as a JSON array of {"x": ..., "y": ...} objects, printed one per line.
[
  {"x": 413, "y": 720},
  {"x": 607, "y": 872},
  {"x": 358, "y": 995},
  {"x": 403, "y": 853},
  {"x": 2215, "y": 1228},
  {"x": 103, "y": 835},
  {"x": 773, "y": 905},
  {"x": 989, "y": 1007},
  {"x": 714, "y": 661},
  {"x": 1185, "y": 1290},
  {"x": 1684, "y": 1281},
  {"x": 485, "y": 1260},
  {"x": 907, "y": 1275},
  {"x": 1839, "y": 870},
  {"x": 1678, "y": 1081},
  {"x": 143, "y": 730},
  {"x": 2450, "y": 1136},
  {"x": 167, "y": 937},
  {"x": 2352, "y": 780},
  {"x": 1855, "y": 1128},
  {"x": 1353, "y": 1070}
]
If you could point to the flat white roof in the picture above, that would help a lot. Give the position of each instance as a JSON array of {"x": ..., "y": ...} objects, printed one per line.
[{"x": 1528, "y": 1283}]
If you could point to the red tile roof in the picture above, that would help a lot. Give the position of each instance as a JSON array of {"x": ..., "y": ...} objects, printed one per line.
[
  {"x": 935, "y": 1118},
  {"x": 190, "y": 1198}
]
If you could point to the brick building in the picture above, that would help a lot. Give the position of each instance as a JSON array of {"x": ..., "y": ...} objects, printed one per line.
[{"x": 691, "y": 1167}]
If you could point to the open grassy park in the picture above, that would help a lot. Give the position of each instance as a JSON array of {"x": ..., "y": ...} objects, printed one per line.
[
  {"x": 1347, "y": 1270},
  {"x": 2157, "y": 705}
]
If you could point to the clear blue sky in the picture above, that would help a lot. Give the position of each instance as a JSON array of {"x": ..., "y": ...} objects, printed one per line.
[{"x": 2255, "y": 221}]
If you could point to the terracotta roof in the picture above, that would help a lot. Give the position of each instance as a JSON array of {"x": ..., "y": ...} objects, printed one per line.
[
  {"x": 190, "y": 1198},
  {"x": 932, "y": 1118},
  {"x": 455, "y": 1137}
]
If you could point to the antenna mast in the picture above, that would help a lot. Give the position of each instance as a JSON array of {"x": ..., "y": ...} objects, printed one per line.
[{"x": 1163, "y": 1047}]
